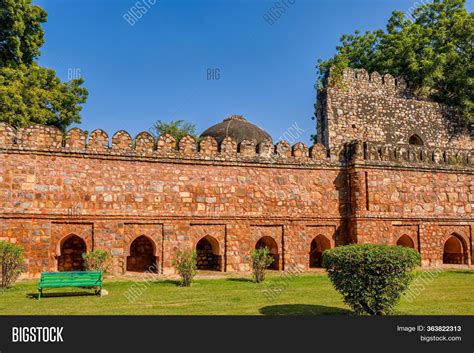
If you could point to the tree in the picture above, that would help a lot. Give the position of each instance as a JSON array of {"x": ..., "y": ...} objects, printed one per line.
[
  {"x": 176, "y": 128},
  {"x": 20, "y": 32},
  {"x": 433, "y": 50},
  {"x": 29, "y": 93}
]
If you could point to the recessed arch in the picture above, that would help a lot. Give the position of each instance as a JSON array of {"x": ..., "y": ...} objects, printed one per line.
[
  {"x": 455, "y": 250},
  {"x": 318, "y": 245},
  {"x": 271, "y": 244},
  {"x": 208, "y": 254},
  {"x": 406, "y": 241},
  {"x": 415, "y": 140},
  {"x": 142, "y": 255},
  {"x": 71, "y": 249}
]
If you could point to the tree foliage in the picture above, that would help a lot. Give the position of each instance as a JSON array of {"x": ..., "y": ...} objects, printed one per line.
[
  {"x": 29, "y": 93},
  {"x": 432, "y": 49},
  {"x": 371, "y": 278},
  {"x": 35, "y": 95},
  {"x": 176, "y": 128}
]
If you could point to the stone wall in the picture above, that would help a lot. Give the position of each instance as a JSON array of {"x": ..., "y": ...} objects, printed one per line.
[
  {"x": 175, "y": 193},
  {"x": 383, "y": 109}
]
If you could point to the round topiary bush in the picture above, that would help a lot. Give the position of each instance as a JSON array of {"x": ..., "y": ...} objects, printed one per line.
[{"x": 371, "y": 278}]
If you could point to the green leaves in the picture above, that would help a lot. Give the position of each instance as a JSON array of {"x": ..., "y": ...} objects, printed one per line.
[
  {"x": 433, "y": 50},
  {"x": 11, "y": 262},
  {"x": 29, "y": 93},
  {"x": 185, "y": 263},
  {"x": 176, "y": 128},
  {"x": 371, "y": 278},
  {"x": 20, "y": 32},
  {"x": 261, "y": 259},
  {"x": 34, "y": 95},
  {"x": 97, "y": 260}
]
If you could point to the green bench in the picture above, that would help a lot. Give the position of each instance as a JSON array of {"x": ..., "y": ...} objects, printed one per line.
[{"x": 70, "y": 279}]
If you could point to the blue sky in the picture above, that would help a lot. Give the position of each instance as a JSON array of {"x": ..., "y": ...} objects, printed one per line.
[{"x": 157, "y": 68}]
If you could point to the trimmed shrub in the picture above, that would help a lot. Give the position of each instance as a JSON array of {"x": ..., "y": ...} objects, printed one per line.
[
  {"x": 11, "y": 263},
  {"x": 185, "y": 263},
  {"x": 371, "y": 278},
  {"x": 261, "y": 259},
  {"x": 97, "y": 260}
]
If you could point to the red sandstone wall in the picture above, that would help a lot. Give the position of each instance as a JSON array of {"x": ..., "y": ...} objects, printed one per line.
[
  {"x": 427, "y": 204},
  {"x": 55, "y": 185},
  {"x": 52, "y": 186},
  {"x": 109, "y": 202}
]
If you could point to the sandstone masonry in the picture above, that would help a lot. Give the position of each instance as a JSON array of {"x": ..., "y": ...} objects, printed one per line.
[{"x": 143, "y": 198}]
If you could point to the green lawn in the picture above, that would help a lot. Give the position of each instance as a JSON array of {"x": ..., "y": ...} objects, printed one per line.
[{"x": 450, "y": 293}]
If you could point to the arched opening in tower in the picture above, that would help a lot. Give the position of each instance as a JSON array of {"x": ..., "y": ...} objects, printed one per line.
[{"x": 415, "y": 140}]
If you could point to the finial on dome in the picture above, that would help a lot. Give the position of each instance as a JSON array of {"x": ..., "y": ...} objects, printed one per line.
[{"x": 235, "y": 117}]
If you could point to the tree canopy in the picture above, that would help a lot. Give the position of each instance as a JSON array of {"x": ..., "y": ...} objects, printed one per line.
[
  {"x": 29, "y": 93},
  {"x": 432, "y": 49},
  {"x": 176, "y": 128}
]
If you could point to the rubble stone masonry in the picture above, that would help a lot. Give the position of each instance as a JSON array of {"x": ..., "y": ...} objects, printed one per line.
[{"x": 371, "y": 187}]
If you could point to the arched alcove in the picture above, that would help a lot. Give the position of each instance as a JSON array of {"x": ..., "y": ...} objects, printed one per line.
[
  {"x": 208, "y": 254},
  {"x": 271, "y": 244},
  {"x": 415, "y": 140},
  {"x": 454, "y": 251},
  {"x": 406, "y": 241},
  {"x": 71, "y": 249},
  {"x": 142, "y": 255},
  {"x": 318, "y": 245}
]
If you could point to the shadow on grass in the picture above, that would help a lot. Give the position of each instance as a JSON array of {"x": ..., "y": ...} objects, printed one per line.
[
  {"x": 302, "y": 309},
  {"x": 58, "y": 294},
  {"x": 169, "y": 281},
  {"x": 248, "y": 280},
  {"x": 463, "y": 272}
]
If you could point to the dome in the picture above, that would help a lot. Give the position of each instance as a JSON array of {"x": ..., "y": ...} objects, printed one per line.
[{"x": 237, "y": 127}]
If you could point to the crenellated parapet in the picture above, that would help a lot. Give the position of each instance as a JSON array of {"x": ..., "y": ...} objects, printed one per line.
[
  {"x": 359, "y": 105},
  {"x": 49, "y": 139},
  {"x": 375, "y": 83},
  {"x": 406, "y": 154}
]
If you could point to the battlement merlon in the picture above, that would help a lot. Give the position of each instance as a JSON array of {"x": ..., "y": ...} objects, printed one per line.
[{"x": 372, "y": 107}]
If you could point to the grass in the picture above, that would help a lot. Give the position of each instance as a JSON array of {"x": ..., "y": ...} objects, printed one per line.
[{"x": 450, "y": 293}]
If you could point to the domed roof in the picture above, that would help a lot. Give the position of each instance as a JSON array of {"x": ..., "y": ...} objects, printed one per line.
[{"x": 237, "y": 127}]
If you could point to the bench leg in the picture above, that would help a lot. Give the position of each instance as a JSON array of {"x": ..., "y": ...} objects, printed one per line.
[{"x": 40, "y": 291}]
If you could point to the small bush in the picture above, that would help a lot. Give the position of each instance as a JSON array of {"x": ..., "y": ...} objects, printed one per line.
[
  {"x": 371, "y": 278},
  {"x": 11, "y": 262},
  {"x": 261, "y": 259},
  {"x": 97, "y": 260},
  {"x": 185, "y": 263}
]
